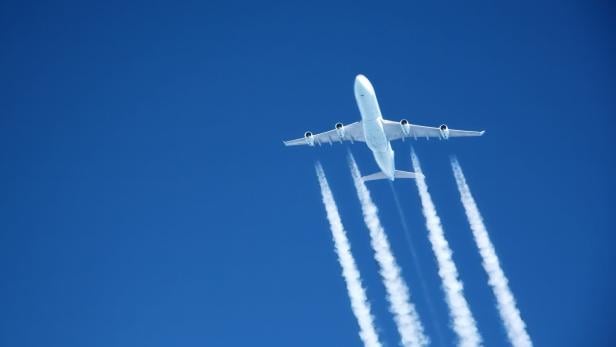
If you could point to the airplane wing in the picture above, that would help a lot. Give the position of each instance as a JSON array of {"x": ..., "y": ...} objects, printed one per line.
[
  {"x": 398, "y": 130},
  {"x": 351, "y": 132}
]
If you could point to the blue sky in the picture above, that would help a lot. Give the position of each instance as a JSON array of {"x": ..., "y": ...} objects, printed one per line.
[{"x": 148, "y": 200}]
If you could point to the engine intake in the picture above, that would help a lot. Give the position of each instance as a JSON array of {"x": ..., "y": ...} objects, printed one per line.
[
  {"x": 309, "y": 138},
  {"x": 340, "y": 130},
  {"x": 444, "y": 131},
  {"x": 406, "y": 127}
]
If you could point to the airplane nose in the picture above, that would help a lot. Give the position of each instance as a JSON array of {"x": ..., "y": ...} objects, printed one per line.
[
  {"x": 362, "y": 85},
  {"x": 361, "y": 80}
]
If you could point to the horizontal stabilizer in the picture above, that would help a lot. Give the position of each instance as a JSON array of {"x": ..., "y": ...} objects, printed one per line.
[
  {"x": 398, "y": 174},
  {"x": 407, "y": 174}
]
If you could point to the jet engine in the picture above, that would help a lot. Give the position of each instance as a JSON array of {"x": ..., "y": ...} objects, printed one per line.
[
  {"x": 309, "y": 138},
  {"x": 444, "y": 131},
  {"x": 340, "y": 130},
  {"x": 406, "y": 127}
]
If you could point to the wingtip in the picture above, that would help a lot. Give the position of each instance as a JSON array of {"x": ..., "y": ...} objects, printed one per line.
[{"x": 482, "y": 132}]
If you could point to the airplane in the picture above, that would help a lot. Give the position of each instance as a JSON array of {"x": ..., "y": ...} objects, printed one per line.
[{"x": 377, "y": 133}]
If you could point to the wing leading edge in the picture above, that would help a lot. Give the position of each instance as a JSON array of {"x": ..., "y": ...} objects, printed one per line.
[
  {"x": 351, "y": 132},
  {"x": 395, "y": 131}
]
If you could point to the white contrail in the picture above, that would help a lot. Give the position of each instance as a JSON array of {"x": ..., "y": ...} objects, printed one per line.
[
  {"x": 509, "y": 313},
  {"x": 462, "y": 319},
  {"x": 352, "y": 278},
  {"x": 407, "y": 321}
]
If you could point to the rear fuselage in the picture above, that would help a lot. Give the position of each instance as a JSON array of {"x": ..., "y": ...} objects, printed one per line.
[{"x": 373, "y": 127}]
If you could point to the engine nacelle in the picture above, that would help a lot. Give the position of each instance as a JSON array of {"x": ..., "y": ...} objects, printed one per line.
[
  {"x": 309, "y": 138},
  {"x": 340, "y": 130},
  {"x": 406, "y": 127},
  {"x": 444, "y": 131}
]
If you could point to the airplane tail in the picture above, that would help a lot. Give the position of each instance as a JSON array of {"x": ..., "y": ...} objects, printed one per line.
[{"x": 398, "y": 174}]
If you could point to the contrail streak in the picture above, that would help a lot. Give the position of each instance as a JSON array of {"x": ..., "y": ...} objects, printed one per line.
[
  {"x": 407, "y": 321},
  {"x": 505, "y": 302},
  {"x": 463, "y": 322},
  {"x": 352, "y": 278}
]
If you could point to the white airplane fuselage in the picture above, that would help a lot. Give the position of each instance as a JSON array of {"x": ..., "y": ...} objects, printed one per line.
[{"x": 373, "y": 126}]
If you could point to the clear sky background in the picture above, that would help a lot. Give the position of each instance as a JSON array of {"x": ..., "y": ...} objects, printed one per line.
[{"x": 147, "y": 199}]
